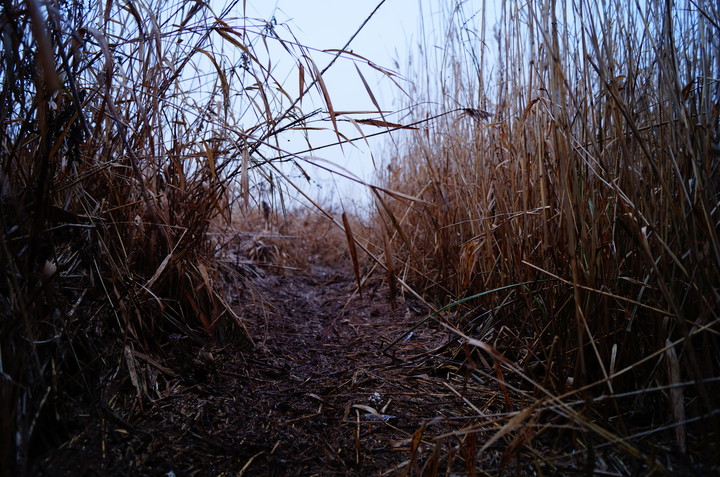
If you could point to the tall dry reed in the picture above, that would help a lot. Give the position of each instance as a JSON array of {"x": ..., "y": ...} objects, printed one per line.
[
  {"x": 129, "y": 130},
  {"x": 581, "y": 160}
]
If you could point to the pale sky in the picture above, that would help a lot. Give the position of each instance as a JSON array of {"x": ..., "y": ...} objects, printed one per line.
[{"x": 388, "y": 39}]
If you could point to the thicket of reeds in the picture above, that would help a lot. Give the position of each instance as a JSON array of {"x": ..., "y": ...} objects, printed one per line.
[
  {"x": 129, "y": 131},
  {"x": 572, "y": 203}
]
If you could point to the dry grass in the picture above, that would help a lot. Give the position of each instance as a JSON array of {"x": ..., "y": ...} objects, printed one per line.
[
  {"x": 293, "y": 240},
  {"x": 132, "y": 133},
  {"x": 565, "y": 215},
  {"x": 582, "y": 184}
]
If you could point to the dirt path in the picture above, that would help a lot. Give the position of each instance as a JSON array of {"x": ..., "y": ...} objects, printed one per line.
[
  {"x": 308, "y": 398},
  {"x": 322, "y": 355}
]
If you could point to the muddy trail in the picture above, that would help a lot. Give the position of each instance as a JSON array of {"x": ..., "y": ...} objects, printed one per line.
[{"x": 317, "y": 392}]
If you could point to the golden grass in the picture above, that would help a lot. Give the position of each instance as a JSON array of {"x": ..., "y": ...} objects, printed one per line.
[{"x": 585, "y": 166}]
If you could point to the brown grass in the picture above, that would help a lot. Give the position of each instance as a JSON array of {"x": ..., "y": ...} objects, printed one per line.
[
  {"x": 133, "y": 134},
  {"x": 584, "y": 167},
  {"x": 558, "y": 201}
]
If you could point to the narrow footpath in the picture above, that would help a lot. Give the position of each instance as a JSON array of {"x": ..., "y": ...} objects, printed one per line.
[{"x": 316, "y": 393}]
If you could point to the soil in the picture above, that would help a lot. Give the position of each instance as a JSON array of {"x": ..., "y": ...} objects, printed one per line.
[{"x": 317, "y": 392}]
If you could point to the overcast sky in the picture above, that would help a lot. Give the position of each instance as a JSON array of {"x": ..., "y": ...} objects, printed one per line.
[{"x": 387, "y": 40}]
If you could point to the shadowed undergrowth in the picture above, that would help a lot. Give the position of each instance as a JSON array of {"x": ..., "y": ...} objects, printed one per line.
[{"x": 131, "y": 130}]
